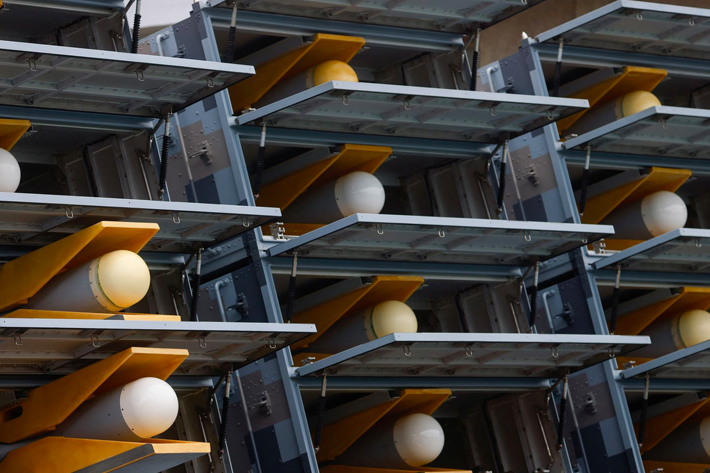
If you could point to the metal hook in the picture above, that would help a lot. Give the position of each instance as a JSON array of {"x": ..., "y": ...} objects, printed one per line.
[
  {"x": 272, "y": 343},
  {"x": 346, "y": 100},
  {"x": 407, "y": 350},
  {"x": 95, "y": 341},
  {"x": 664, "y": 124},
  {"x": 18, "y": 340},
  {"x": 555, "y": 352},
  {"x": 698, "y": 243},
  {"x": 527, "y": 236},
  {"x": 691, "y": 21},
  {"x": 210, "y": 82},
  {"x": 202, "y": 342},
  {"x": 550, "y": 116},
  {"x": 33, "y": 65},
  {"x": 469, "y": 351},
  {"x": 494, "y": 112},
  {"x": 639, "y": 16},
  {"x": 68, "y": 212},
  {"x": 246, "y": 223},
  {"x": 442, "y": 233},
  {"x": 406, "y": 105},
  {"x": 140, "y": 76},
  {"x": 380, "y": 230},
  {"x": 176, "y": 218},
  {"x": 612, "y": 354}
]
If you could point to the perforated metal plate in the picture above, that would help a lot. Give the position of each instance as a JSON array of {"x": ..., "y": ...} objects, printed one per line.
[
  {"x": 657, "y": 131},
  {"x": 639, "y": 27},
  {"x": 61, "y": 346},
  {"x": 689, "y": 363},
  {"x": 34, "y": 219},
  {"x": 445, "y": 240},
  {"x": 416, "y": 112},
  {"x": 21, "y": 20},
  {"x": 451, "y": 15},
  {"x": 683, "y": 250},
  {"x": 474, "y": 355},
  {"x": 63, "y": 78}
]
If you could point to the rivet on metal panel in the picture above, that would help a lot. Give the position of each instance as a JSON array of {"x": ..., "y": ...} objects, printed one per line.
[
  {"x": 407, "y": 350},
  {"x": 272, "y": 343},
  {"x": 176, "y": 218},
  {"x": 202, "y": 342},
  {"x": 68, "y": 212},
  {"x": 18, "y": 340}
]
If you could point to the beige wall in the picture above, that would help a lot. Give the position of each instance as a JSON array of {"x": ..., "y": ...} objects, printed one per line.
[{"x": 503, "y": 39}]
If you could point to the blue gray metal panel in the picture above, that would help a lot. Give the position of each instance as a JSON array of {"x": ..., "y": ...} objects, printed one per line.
[
  {"x": 59, "y": 346},
  {"x": 660, "y": 131},
  {"x": 639, "y": 27},
  {"x": 47, "y": 76},
  {"x": 473, "y": 355},
  {"x": 32, "y": 219},
  {"x": 462, "y": 16},
  {"x": 438, "y": 239},
  {"x": 689, "y": 363},
  {"x": 415, "y": 112},
  {"x": 682, "y": 250}
]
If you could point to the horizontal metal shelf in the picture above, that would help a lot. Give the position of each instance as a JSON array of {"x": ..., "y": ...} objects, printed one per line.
[
  {"x": 453, "y": 15},
  {"x": 22, "y": 19},
  {"x": 639, "y": 27},
  {"x": 437, "y": 239},
  {"x": 31, "y": 346},
  {"x": 657, "y": 131},
  {"x": 64, "y": 78},
  {"x": 38, "y": 219},
  {"x": 689, "y": 363},
  {"x": 473, "y": 355},
  {"x": 682, "y": 250},
  {"x": 415, "y": 112}
]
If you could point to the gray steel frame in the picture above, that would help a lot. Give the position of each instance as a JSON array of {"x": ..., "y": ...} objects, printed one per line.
[
  {"x": 472, "y": 355},
  {"x": 106, "y": 81},
  {"x": 415, "y": 112},
  {"x": 33, "y": 219}
]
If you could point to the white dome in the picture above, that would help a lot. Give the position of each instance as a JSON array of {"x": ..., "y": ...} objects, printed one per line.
[
  {"x": 9, "y": 172},
  {"x": 359, "y": 192},
  {"x": 419, "y": 439},
  {"x": 124, "y": 278},
  {"x": 663, "y": 212},
  {"x": 149, "y": 406},
  {"x": 392, "y": 317}
]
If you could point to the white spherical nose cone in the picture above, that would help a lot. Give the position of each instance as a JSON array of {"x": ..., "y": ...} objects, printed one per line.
[
  {"x": 694, "y": 327},
  {"x": 393, "y": 317},
  {"x": 419, "y": 439},
  {"x": 663, "y": 212},
  {"x": 149, "y": 406},
  {"x": 124, "y": 277},
  {"x": 9, "y": 172},
  {"x": 359, "y": 192}
]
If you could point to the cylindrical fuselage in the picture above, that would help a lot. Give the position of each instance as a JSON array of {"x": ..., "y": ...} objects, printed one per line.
[
  {"x": 689, "y": 443},
  {"x": 111, "y": 283},
  {"x": 410, "y": 441},
  {"x": 613, "y": 110},
  {"x": 654, "y": 215},
  {"x": 10, "y": 174},
  {"x": 131, "y": 413},
  {"x": 677, "y": 333},
  {"x": 357, "y": 192},
  {"x": 324, "y": 72},
  {"x": 362, "y": 327}
]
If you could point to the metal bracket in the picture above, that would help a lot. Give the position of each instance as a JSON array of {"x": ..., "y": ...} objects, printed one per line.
[
  {"x": 278, "y": 231},
  {"x": 264, "y": 404},
  {"x": 590, "y": 403},
  {"x": 204, "y": 151}
]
